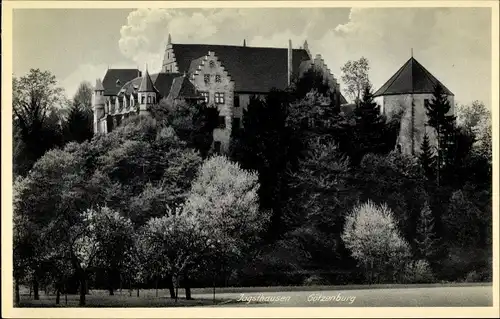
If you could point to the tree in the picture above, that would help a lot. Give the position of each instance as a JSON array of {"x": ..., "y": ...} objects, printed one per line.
[
  {"x": 78, "y": 126},
  {"x": 395, "y": 179},
  {"x": 355, "y": 77},
  {"x": 224, "y": 196},
  {"x": 114, "y": 234},
  {"x": 83, "y": 98},
  {"x": 311, "y": 80},
  {"x": 35, "y": 96},
  {"x": 438, "y": 117},
  {"x": 180, "y": 240},
  {"x": 426, "y": 238},
  {"x": 483, "y": 138},
  {"x": 427, "y": 158},
  {"x": 193, "y": 122},
  {"x": 368, "y": 132},
  {"x": 469, "y": 116},
  {"x": 263, "y": 144},
  {"x": 383, "y": 257},
  {"x": 320, "y": 190}
]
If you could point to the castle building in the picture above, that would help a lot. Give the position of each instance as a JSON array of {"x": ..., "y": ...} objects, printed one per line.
[
  {"x": 406, "y": 93},
  {"x": 224, "y": 76}
]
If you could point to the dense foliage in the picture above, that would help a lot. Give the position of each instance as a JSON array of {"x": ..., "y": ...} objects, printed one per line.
[{"x": 310, "y": 193}]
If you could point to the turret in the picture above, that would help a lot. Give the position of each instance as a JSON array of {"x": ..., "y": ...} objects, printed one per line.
[
  {"x": 98, "y": 104},
  {"x": 148, "y": 94}
]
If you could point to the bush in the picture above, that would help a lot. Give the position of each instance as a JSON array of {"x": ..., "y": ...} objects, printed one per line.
[
  {"x": 315, "y": 280},
  {"x": 473, "y": 276},
  {"x": 418, "y": 272},
  {"x": 372, "y": 236}
]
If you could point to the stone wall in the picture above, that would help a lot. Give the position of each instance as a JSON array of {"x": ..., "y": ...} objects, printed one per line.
[{"x": 394, "y": 104}]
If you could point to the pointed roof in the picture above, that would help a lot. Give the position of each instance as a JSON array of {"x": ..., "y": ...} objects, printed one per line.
[
  {"x": 111, "y": 87},
  {"x": 98, "y": 85},
  {"x": 147, "y": 84},
  {"x": 412, "y": 77}
]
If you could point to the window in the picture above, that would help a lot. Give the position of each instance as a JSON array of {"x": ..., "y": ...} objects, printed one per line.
[
  {"x": 142, "y": 99},
  {"x": 236, "y": 102},
  {"x": 205, "y": 96},
  {"x": 212, "y": 64},
  {"x": 149, "y": 99},
  {"x": 219, "y": 98},
  {"x": 206, "y": 78},
  {"x": 236, "y": 123},
  {"x": 217, "y": 78},
  {"x": 222, "y": 122},
  {"x": 118, "y": 82},
  {"x": 217, "y": 145}
]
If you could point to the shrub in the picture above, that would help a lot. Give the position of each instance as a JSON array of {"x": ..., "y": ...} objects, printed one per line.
[
  {"x": 418, "y": 272},
  {"x": 473, "y": 276},
  {"x": 315, "y": 280},
  {"x": 372, "y": 236}
]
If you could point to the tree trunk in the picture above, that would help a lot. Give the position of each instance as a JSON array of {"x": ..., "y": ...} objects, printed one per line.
[
  {"x": 156, "y": 286},
  {"x": 137, "y": 291},
  {"x": 58, "y": 294},
  {"x": 110, "y": 283},
  {"x": 65, "y": 294},
  {"x": 187, "y": 287},
  {"x": 18, "y": 296},
  {"x": 120, "y": 283},
  {"x": 35, "y": 289},
  {"x": 87, "y": 286},
  {"x": 171, "y": 286},
  {"x": 83, "y": 288},
  {"x": 176, "y": 288}
]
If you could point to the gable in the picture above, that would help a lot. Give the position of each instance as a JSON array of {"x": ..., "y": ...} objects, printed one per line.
[{"x": 254, "y": 70}]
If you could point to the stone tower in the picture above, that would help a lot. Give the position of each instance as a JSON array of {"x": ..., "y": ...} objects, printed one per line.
[
  {"x": 98, "y": 105},
  {"x": 147, "y": 94},
  {"x": 406, "y": 94}
]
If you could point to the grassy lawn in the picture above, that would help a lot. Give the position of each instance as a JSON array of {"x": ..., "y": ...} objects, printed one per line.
[
  {"x": 332, "y": 287},
  {"x": 101, "y": 299},
  {"x": 367, "y": 295}
]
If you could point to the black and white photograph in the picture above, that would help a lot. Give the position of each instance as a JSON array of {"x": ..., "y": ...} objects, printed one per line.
[{"x": 215, "y": 156}]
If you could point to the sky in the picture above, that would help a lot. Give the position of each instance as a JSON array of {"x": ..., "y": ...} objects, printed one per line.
[{"x": 77, "y": 45}]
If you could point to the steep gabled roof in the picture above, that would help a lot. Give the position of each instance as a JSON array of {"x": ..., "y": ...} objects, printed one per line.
[
  {"x": 116, "y": 78},
  {"x": 412, "y": 77},
  {"x": 147, "y": 84},
  {"x": 252, "y": 69}
]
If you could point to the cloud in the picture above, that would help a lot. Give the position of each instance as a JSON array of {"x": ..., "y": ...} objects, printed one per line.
[
  {"x": 145, "y": 35},
  {"x": 453, "y": 43}
]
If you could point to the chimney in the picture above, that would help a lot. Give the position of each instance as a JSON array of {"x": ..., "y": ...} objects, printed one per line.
[
  {"x": 290, "y": 57},
  {"x": 244, "y": 42}
]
